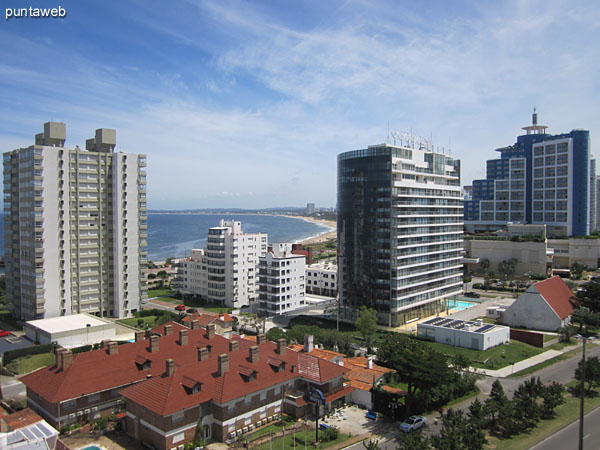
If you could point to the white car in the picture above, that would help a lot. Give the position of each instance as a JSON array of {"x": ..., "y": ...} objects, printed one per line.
[{"x": 413, "y": 423}]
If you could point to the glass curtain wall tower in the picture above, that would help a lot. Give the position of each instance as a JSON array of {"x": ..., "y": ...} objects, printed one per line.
[{"x": 400, "y": 226}]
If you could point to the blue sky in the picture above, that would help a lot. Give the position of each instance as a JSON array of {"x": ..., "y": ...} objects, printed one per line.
[{"x": 247, "y": 104}]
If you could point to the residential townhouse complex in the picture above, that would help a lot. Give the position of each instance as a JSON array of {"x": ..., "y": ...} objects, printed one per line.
[
  {"x": 541, "y": 179},
  {"x": 321, "y": 279},
  {"x": 281, "y": 282},
  {"x": 75, "y": 227},
  {"x": 225, "y": 272},
  {"x": 177, "y": 377},
  {"x": 400, "y": 227}
]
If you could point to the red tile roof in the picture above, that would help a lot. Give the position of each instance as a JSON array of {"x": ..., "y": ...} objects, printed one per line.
[
  {"x": 360, "y": 376},
  {"x": 204, "y": 318},
  {"x": 97, "y": 371},
  {"x": 394, "y": 390},
  {"x": 21, "y": 419},
  {"x": 329, "y": 355},
  {"x": 557, "y": 294},
  {"x": 166, "y": 395}
]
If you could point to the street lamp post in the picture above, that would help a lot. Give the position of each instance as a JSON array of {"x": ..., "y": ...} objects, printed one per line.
[{"x": 582, "y": 397}]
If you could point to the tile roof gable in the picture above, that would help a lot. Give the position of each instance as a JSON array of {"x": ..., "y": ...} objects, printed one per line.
[{"x": 557, "y": 294}]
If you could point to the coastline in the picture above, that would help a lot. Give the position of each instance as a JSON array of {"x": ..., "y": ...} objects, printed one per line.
[{"x": 321, "y": 238}]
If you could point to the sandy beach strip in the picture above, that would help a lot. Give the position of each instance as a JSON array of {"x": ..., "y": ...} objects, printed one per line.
[{"x": 321, "y": 238}]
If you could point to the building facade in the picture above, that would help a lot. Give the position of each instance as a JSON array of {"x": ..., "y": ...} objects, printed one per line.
[
  {"x": 75, "y": 227},
  {"x": 400, "y": 226},
  {"x": 225, "y": 273},
  {"x": 321, "y": 279},
  {"x": 541, "y": 179},
  {"x": 281, "y": 282}
]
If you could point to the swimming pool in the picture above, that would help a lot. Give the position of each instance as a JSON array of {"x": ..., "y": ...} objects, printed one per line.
[
  {"x": 91, "y": 447},
  {"x": 460, "y": 304}
]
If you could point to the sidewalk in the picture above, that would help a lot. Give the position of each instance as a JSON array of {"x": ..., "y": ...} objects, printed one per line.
[{"x": 526, "y": 363}]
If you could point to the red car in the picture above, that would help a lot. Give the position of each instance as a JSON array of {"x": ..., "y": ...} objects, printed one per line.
[
  {"x": 180, "y": 308},
  {"x": 4, "y": 333}
]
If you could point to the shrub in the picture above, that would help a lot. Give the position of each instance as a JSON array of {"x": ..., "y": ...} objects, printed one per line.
[
  {"x": 11, "y": 355},
  {"x": 329, "y": 434}
]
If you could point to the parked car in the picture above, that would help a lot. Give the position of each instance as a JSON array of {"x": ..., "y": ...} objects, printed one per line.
[
  {"x": 472, "y": 294},
  {"x": 413, "y": 423},
  {"x": 191, "y": 310},
  {"x": 180, "y": 308},
  {"x": 522, "y": 285},
  {"x": 4, "y": 333},
  {"x": 511, "y": 284},
  {"x": 371, "y": 415}
]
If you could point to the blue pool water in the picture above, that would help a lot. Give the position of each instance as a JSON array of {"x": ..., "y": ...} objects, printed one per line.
[
  {"x": 91, "y": 447},
  {"x": 459, "y": 304}
]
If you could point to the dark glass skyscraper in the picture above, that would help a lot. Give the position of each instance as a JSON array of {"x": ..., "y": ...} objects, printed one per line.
[{"x": 399, "y": 231}]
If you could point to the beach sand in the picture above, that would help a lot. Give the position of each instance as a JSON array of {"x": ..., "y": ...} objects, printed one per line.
[{"x": 323, "y": 237}]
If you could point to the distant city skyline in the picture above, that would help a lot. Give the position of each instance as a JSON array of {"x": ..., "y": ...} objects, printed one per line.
[{"x": 247, "y": 104}]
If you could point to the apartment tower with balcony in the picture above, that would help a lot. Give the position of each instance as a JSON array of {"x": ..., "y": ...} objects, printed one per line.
[
  {"x": 75, "y": 227},
  {"x": 400, "y": 226},
  {"x": 281, "y": 281},
  {"x": 231, "y": 258}
]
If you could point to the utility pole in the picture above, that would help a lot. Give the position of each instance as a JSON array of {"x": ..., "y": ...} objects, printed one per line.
[{"x": 582, "y": 397}]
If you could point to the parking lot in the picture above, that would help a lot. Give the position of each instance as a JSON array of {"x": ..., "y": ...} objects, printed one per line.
[{"x": 352, "y": 420}]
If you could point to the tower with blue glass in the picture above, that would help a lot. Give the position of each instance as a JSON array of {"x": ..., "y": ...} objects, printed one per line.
[{"x": 541, "y": 179}]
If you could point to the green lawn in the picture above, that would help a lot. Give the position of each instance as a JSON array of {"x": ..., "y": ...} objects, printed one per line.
[
  {"x": 30, "y": 363},
  {"x": 159, "y": 292},
  {"x": 494, "y": 358},
  {"x": 218, "y": 309},
  {"x": 565, "y": 414},
  {"x": 549, "y": 337},
  {"x": 300, "y": 437},
  {"x": 133, "y": 321}
]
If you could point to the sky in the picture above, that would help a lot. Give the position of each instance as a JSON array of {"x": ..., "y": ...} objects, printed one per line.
[{"x": 247, "y": 103}]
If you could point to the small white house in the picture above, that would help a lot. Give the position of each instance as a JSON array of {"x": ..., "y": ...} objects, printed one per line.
[
  {"x": 463, "y": 333},
  {"x": 544, "y": 306},
  {"x": 70, "y": 331}
]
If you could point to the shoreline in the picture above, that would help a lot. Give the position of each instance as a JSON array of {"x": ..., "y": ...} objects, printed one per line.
[{"x": 320, "y": 238}]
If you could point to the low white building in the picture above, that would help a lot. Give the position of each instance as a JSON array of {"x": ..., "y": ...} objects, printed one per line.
[
  {"x": 545, "y": 305},
  {"x": 321, "y": 279},
  {"x": 281, "y": 281},
  {"x": 70, "y": 331},
  {"x": 463, "y": 333}
]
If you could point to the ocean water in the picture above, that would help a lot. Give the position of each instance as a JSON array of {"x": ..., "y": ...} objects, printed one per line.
[{"x": 176, "y": 234}]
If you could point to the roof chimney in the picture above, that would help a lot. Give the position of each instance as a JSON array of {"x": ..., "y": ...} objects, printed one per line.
[
  {"x": 253, "y": 354},
  {"x": 281, "y": 346},
  {"x": 261, "y": 339},
  {"x": 112, "y": 348},
  {"x": 210, "y": 331},
  {"x": 153, "y": 348},
  {"x": 369, "y": 363},
  {"x": 308, "y": 343},
  {"x": 169, "y": 367},
  {"x": 139, "y": 336},
  {"x": 59, "y": 357},
  {"x": 195, "y": 324},
  {"x": 202, "y": 354},
  {"x": 234, "y": 346},
  {"x": 223, "y": 364},
  {"x": 168, "y": 330},
  {"x": 67, "y": 359},
  {"x": 183, "y": 337}
]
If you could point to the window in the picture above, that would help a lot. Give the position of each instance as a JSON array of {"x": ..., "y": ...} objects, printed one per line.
[{"x": 178, "y": 437}]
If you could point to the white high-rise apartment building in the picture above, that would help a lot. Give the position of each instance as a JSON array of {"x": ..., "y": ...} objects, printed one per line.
[
  {"x": 321, "y": 279},
  {"x": 281, "y": 281},
  {"x": 225, "y": 272},
  {"x": 75, "y": 227}
]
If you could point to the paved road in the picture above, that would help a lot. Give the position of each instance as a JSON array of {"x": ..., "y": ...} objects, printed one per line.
[{"x": 568, "y": 437}]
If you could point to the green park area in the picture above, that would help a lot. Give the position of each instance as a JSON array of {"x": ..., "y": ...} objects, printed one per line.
[{"x": 29, "y": 363}]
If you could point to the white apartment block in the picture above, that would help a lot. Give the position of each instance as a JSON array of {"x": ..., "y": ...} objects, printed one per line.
[
  {"x": 321, "y": 279},
  {"x": 225, "y": 272},
  {"x": 75, "y": 227},
  {"x": 281, "y": 281}
]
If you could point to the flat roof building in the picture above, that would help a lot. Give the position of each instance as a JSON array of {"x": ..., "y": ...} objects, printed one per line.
[
  {"x": 476, "y": 335},
  {"x": 70, "y": 331}
]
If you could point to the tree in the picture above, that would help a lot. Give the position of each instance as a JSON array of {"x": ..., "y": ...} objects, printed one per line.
[
  {"x": 508, "y": 268},
  {"x": 592, "y": 373},
  {"x": 577, "y": 270},
  {"x": 527, "y": 412},
  {"x": 275, "y": 333},
  {"x": 587, "y": 304},
  {"x": 454, "y": 429},
  {"x": 416, "y": 364},
  {"x": 484, "y": 263},
  {"x": 495, "y": 403},
  {"x": 366, "y": 324},
  {"x": 162, "y": 274},
  {"x": 414, "y": 441},
  {"x": 371, "y": 444},
  {"x": 553, "y": 395}
]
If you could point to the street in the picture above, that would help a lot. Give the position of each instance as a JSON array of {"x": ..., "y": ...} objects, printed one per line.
[{"x": 568, "y": 437}]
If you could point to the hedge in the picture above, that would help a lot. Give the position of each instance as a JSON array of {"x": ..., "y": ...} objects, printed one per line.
[{"x": 11, "y": 355}]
